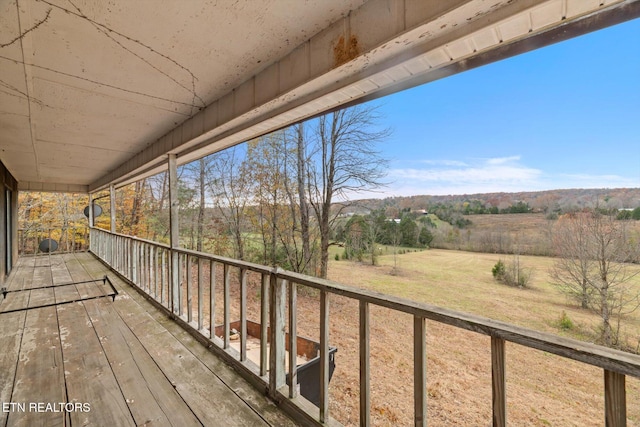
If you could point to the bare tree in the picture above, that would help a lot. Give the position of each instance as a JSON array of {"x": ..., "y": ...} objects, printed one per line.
[
  {"x": 574, "y": 262},
  {"x": 272, "y": 161},
  {"x": 594, "y": 267},
  {"x": 302, "y": 175},
  {"x": 228, "y": 182},
  {"x": 344, "y": 160}
]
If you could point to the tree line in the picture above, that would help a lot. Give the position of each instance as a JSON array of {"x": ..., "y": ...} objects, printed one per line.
[
  {"x": 361, "y": 235},
  {"x": 271, "y": 200}
]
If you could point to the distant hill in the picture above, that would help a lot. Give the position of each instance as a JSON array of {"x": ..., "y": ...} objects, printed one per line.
[{"x": 538, "y": 201}]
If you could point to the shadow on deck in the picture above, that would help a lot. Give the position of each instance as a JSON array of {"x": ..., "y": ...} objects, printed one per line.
[{"x": 105, "y": 362}]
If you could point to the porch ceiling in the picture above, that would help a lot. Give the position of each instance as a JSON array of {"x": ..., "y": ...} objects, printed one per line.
[{"x": 94, "y": 92}]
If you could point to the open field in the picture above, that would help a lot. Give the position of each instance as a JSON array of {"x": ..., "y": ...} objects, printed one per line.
[
  {"x": 542, "y": 389},
  {"x": 526, "y": 233}
]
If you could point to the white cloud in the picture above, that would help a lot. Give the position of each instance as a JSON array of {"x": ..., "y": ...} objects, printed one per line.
[
  {"x": 447, "y": 175},
  {"x": 500, "y": 174},
  {"x": 443, "y": 162},
  {"x": 502, "y": 160}
]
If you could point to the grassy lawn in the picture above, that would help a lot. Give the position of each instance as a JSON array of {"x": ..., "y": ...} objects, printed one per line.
[
  {"x": 543, "y": 389},
  {"x": 463, "y": 281}
]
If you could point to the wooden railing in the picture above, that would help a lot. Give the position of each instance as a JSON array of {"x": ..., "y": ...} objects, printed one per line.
[
  {"x": 162, "y": 273},
  {"x": 67, "y": 239}
]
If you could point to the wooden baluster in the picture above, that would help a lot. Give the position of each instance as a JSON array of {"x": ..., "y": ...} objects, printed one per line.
[
  {"x": 200, "y": 296},
  {"x": 498, "y": 382},
  {"x": 324, "y": 356},
  {"x": 420, "y": 371},
  {"x": 277, "y": 296},
  {"x": 227, "y": 303},
  {"x": 615, "y": 399},
  {"x": 243, "y": 314},
  {"x": 365, "y": 387},
  {"x": 264, "y": 327},
  {"x": 293, "y": 341}
]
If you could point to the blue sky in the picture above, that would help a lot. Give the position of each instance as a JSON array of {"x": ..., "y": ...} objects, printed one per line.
[{"x": 565, "y": 116}]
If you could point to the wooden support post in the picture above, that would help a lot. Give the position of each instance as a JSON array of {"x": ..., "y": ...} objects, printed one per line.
[
  {"x": 420, "y": 371},
  {"x": 112, "y": 200},
  {"x": 365, "y": 386},
  {"x": 277, "y": 301},
  {"x": 615, "y": 399},
  {"x": 91, "y": 218},
  {"x": 498, "y": 382},
  {"x": 293, "y": 340},
  {"x": 324, "y": 356},
  {"x": 174, "y": 234}
]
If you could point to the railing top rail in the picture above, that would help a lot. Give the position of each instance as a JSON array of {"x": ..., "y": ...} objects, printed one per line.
[
  {"x": 216, "y": 258},
  {"x": 138, "y": 239},
  {"x": 62, "y": 227},
  {"x": 230, "y": 261},
  {"x": 592, "y": 354}
]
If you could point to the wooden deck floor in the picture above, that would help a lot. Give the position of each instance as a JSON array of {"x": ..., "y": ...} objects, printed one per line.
[{"x": 109, "y": 363}]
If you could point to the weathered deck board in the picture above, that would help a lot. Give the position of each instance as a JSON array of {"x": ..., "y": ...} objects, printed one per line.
[
  {"x": 88, "y": 374},
  {"x": 191, "y": 379},
  {"x": 39, "y": 374},
  {"x": 11, "y": 331},
  {"x": 132, "y": 364},
  {"x": 150, "y": 397},
  {"x": 144, "y": 313}
]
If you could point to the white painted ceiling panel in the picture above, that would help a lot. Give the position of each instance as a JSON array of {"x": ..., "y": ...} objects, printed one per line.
[{"x": 95, "y": 91}]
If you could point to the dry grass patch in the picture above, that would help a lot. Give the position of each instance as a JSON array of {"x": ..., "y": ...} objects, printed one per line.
[{"x": 542, "y": 389}]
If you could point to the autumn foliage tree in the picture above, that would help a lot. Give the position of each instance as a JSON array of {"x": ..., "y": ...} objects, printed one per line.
[{"x": 52, "y": 215}]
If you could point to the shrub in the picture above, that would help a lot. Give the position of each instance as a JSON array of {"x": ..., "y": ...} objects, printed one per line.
[
  {"x": 511, "y": 274},
  {"x": 337, "y": 257},
  {"x": 498, "y": 271},
  {"x": 565, "y": 322}
]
